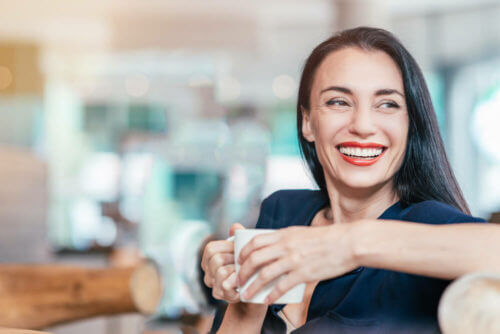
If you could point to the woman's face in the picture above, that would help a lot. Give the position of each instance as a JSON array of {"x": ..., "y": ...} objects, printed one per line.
[{"x": 358, "y": 118}]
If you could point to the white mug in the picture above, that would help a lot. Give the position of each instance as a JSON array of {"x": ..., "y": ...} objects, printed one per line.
[{"x": 294, "y": 295}]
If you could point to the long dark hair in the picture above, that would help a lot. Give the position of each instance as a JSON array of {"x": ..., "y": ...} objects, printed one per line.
[{"x": 425, "y": 173}]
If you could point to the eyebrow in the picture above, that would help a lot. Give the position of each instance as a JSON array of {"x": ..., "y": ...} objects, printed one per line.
[
  {"x": 385, "y": 91},
  {"x": 338, "y": 89}
]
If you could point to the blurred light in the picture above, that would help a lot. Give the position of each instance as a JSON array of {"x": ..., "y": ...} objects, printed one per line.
[
  {"x": 100, "y": 176},
  {"x": 131, "y": 208},
  {"x": 490, "y": 188},
  {"x": 284, "y": 86},
  {"x": 107, "y": 233},
  {"x": 485, "y": 120},
  {"x": 136, "y": 169},
  {"x": 86, "y": 218},
  {"x": 238, "y": 182},
  {"x": 5, "y": 77},
  {"x": 286, "y": 172},
  {"x": 137, "y": 86},
  {"x": 229, "y": 89},
  {"x": 200, "y": 80},
  {"x": 88, "y": 87}
]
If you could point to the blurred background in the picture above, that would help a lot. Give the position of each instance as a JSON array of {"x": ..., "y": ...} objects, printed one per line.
[{"x": 141, "y": 127}]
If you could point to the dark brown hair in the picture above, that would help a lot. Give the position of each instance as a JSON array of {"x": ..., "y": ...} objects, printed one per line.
[{"x": 425, "y": 173}]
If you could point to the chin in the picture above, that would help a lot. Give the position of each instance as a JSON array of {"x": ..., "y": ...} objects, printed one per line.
[
  {"x": 361, "y": 185},
  {"x": 362, "y": 180}
]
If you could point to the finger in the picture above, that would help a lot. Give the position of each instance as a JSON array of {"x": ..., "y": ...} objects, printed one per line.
[
  {"x": 258, "y": 259},
  {"x": 214, "y": 247},
  {"x": 286, "y": 283},
  {"x": 234, "y": 227},
  {"x": 208, "y": 280},
  {"x": 219, "y": 260},
  {"x": 229, "y": 284},
  {"x": 257, "y": 242},
  {"x": 217, "y": 293},
  {"x": 229, "y": 288},
  {"x": 223, "y": 273},
  {"x": 233, "y": 297},
  {"x": 266, "y": 275}
]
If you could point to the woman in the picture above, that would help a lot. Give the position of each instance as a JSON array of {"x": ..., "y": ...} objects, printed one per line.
[{"x": 369, "y": 134}]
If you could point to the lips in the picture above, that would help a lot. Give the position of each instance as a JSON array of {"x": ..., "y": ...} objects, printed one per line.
[{"x": 361, "y": 154}]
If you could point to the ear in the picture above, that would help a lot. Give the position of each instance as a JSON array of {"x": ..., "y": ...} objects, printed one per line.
[{"x": 306, "y": 125}]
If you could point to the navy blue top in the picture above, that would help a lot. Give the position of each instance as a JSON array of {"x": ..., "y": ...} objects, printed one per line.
[{"x": 365, "y": 300}]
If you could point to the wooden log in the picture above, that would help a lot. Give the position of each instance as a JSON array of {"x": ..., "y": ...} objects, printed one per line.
[
  {"x": 4, "y": 330},
  {"x": 146, "y": 287},
  {"x": 38, "y": 296}
]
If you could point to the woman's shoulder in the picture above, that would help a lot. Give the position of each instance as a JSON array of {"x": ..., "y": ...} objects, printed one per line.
[
  {"x": 290, "y": 207},
  {"x": 435, "y": 212}
]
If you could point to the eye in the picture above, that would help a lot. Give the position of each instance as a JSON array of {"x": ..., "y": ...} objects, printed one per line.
[
  {"x": 389, "y": 104},
  {"x": 337, "y": 102}
]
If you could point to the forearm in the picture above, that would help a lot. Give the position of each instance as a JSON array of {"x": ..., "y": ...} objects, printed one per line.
[
  {"x": 446, "y": 251},
  {"x": 243, "y": 318}
]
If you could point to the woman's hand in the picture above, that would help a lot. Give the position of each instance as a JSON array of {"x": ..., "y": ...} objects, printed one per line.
[
  {"x": 302, "y": 254},
  {"x": 218, "y": 265}
]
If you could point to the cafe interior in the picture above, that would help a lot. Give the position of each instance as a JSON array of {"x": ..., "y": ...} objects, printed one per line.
[{"x": 133, "y": 131}]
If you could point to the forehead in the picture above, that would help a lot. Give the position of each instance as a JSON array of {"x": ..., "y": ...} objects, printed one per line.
[{"x": 358, "y": 69}]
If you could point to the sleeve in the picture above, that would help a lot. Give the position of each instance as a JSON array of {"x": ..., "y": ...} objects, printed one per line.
[
  {"x": 265, "y": 220},
  {"x": 434, "y": 212}
]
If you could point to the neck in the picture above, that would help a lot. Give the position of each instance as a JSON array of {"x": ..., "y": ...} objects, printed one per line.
[{"x": 348, "y": 204}]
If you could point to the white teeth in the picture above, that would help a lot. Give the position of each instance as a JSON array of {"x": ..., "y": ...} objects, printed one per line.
[{"x": 360, "y": 152}]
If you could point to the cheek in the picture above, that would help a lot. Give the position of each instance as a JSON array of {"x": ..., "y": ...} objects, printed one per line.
[
  {"x": 327, "y": 127},
  {"x": 397, "y": 132},
  {"x": 396, "y": 128},
  {"x": 327, "y": 133}
]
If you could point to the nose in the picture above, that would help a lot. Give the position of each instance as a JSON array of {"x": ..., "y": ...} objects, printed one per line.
[{"x": 362, "y": 123}]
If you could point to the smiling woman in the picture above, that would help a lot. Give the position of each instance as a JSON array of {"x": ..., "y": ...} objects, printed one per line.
[
  {"x": 369, "y": 134},
  {"x": 396, "y": 80},
  {"x": 356, "y": 104}
]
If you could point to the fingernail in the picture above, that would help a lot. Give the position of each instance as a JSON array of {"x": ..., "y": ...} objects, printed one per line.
[
  {"x": 267, "y": 300},
  {"x": 245, "y": 294},
  {"x": 237, "y": 281}
]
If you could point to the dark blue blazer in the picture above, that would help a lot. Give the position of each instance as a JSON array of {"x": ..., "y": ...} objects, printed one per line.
[{"x": 365, "y": 300}]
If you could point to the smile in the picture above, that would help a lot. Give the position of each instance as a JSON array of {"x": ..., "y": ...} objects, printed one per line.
[{"x": 361, "y": 154}]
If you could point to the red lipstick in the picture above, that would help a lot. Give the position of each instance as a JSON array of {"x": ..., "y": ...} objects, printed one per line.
[
  {"x": 362, "y": 145},
  {"x": 361, "y": 161}
]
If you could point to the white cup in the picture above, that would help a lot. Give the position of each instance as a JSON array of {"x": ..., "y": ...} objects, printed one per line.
[{"x": 294, "y": 295}]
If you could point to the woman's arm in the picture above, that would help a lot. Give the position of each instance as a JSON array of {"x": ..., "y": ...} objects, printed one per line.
[
  {"x": 443, "y": 251},
  {"x": 307, "y": 254},
  {"x": 243, "y": 318}
]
